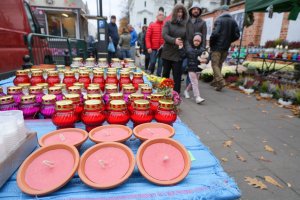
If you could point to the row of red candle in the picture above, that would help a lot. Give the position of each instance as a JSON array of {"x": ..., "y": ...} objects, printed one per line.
[
  {"x": 93, "y": 114},
  {"x": 84, "y": 77}
]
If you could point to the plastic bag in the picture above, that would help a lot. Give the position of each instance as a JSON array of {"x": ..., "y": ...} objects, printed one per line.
[{"x": 111, "y": 47}]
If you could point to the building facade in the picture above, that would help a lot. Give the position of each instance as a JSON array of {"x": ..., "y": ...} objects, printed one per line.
[{"x": 64, "y": 18}]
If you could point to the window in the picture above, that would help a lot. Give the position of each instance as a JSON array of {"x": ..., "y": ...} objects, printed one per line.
[
  {"x": 145, "y": 21},
  {"x": 145, "y": 3},
  {"x": 61, "y": 24}
]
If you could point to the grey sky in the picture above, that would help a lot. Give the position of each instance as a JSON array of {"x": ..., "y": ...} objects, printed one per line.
[{"x": 109, "y": 7}]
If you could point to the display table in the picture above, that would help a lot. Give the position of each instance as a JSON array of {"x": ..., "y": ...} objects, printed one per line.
[{"x": 206, "y": 179}]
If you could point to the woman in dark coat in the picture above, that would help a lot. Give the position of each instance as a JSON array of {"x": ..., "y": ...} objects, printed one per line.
[{"x": 174, "y": 34}]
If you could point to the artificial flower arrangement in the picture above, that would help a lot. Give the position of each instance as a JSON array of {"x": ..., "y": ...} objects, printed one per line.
[{"x": 166, "y": 87}]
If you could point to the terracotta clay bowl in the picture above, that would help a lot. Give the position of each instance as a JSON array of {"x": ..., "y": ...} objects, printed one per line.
[
  {"x": 153, "y": 134},
  {"x": 92, "y": 133},
  {"x": 90, "y": 152},
  {"x": 21, "y": 177},
  {"x": 64, "y": 140},
  {"x": 174, "y": 144}
]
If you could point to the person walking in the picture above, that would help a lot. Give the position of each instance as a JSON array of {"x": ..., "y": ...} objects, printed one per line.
[
  {"x": 174, "y": 34},
  {"x": 192, "y": 55},
  {"x": 134, "y": 38},
  {"x": 113, "y": 36},
  {"x": 124, "y": 43},
  {"x": 154, "y": 41},
  {"x": 225, "y": 32},
  {"x": 142, "y": 45}
]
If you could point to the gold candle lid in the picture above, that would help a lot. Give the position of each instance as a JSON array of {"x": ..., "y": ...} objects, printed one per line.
[
  {"x": 137, "y": 74},
  {"x": 98, "y": 73},
  {"x": 43, "y": 85},
  {"x": 75, "y": 98},
  {"x": 93, "y": 89},
  {"x": 61, "y": 85},
  {"x": 115, "y": 60},
  {"x": 111, "y": 88},
  {"x": 64, "y": 105},
  {"x": 140, "y": 85},
  {"x": 52, "y": 73},
  {"x": 94, "y": 85},
  {"x": 124, "y": 74},
  {"x": 49, "y": 99},
  {"x": 156, "y": 96},
  {"x": 81, "y": 85},
  {"x": 146, "y": 89},
  {"x": 90, "y": 59},
  {"x": 27, "y": 99},
  {"x": 75, "y": 90},
  {"x": 35, "y": 89},
  {"x": 136, "y": 96},
  {"x": 127, "y": 84},
  {"x": 116, "y": 96},
  {"x": 117, "y": 105},
  {"x": 77, "y": 59},
  {"x": 14, "y": 89},
  {"x": 128, "y": 89},
  {"x": 125, "y": 69},
  {"x": 92, "y": 104},
  {"x": 69, "y": 73},
  {"x": 37, "y": 73},
  {"x": 128, "y": 60},
  {"x": 84, "y": 73},
  {"x": 141, "y": 104},
  {"x": 111, "y": 74},
  {"x": 6, "y": 99},
  {"x": 21, "y": 72},
  {"x": 54, "y": 90},
  {"x": 102, "y": 60},
  {"x": 166, "y": 104},
  {"x": 94, "y": 97},
  {"x": 24, "y": 85}
]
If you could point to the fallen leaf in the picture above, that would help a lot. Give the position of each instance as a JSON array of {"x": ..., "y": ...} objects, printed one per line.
[
  {"x": 264, "y": 111},
  {"x": 263, "y": 159},
  {"x": 227, "y": 143},
  {"x": 269, "y": 179},
  {"x": 289, "y": 185},
  {"x": 236, "y": 126},
  {"x": 224, "y": 159},
  {"x": 290, "y": 116},
  {"x": 264, "y": 141},
  {"x": 269, "y": 149},
  {"x": 255, "y": 183},
  {"x": 241, "y": 158}
]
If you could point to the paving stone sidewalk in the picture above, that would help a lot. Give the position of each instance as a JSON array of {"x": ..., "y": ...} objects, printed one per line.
[{"x": 261, "y": 123}]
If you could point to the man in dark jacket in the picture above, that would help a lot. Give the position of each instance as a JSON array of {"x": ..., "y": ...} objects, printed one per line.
[
  {"x": 142, "y": 45},
  {"x": 113, "y": 36},
  {"x": 225, "y": 32}
]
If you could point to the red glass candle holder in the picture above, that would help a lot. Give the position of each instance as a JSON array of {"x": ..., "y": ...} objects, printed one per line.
[
  {"x": 16, "y": 92},
  {"x": 124, "y": 79},
  {"x": 8, "y": 103},
  {"x": 99, "y": 79},
  {"x": 108, "y": 90},
  {"x": 29, "y": 107},
  {"x": 64, "y": 116},
  {"x": 132, "y": 98},
  {"x": 111, "y": 78},
  {"x": 38, "y": 92},
  {"x": 127, "y": 91},
  {"x": 69, "y": 78},
  {"x": 76, "y": 90},
  {"x": 36, "y": 77},
  {"x": 78, "y": 107},
  {"x": 93, "y": 114},
  {"x": 57, "y": 91},
  {"x": 96, "y": 97},
  {"x": 137, "y": 79},
  {"x": 141, "y": 112},
  {"x": 154, "y": 101},
  {"x": 48, "y": 105},
  {"x": 53, "y": 78},
  {"x": 45, "y": 87},
  {"x": 146, "y": 91},
  {"x": 118, "y": 113},
  {"x": 21, "y": 77},
  {"x": 165, "y": 112},
  {"x": 1, "y": 92},
  {"x": 84, "y": 77},
  {"x": 93, "y": 90}
]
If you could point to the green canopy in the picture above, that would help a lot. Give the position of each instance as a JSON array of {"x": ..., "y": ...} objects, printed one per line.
[{"x": 292, "y": 6}]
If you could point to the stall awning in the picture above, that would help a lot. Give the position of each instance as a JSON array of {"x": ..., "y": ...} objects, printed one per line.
[{"x": 291, "y": 6}]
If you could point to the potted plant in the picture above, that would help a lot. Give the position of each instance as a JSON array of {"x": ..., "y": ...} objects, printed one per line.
[
  {"x": 250, "y": 85},
  {"x": 264, "y": 90},
  {"x": 287, "y": 95}
]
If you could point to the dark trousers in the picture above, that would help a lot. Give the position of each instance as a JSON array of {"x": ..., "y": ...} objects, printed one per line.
[
  {"x": 112, "y": 54},
  {"x": 176, "y": 68},
  {"x": 147, "y": 59},
  {"x": 153, "y": 60}
]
